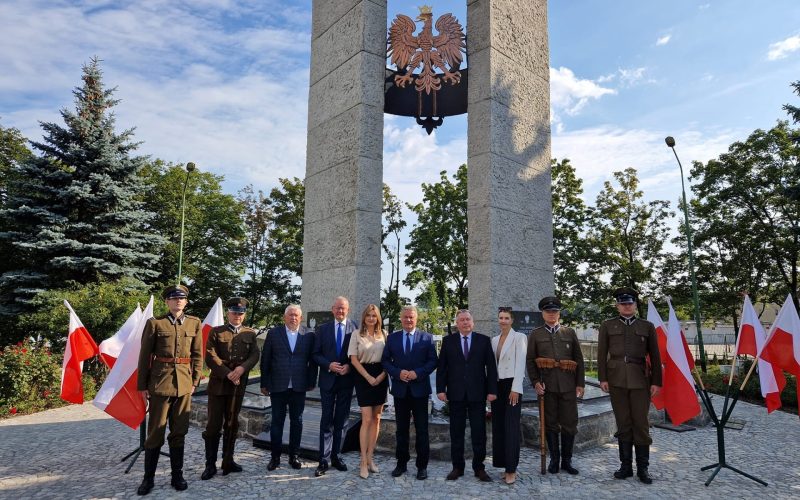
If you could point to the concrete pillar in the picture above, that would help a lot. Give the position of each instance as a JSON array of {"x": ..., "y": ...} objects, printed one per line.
[
  {"x": 344, "y": 162},
  {"x": 510, "y": 254}
]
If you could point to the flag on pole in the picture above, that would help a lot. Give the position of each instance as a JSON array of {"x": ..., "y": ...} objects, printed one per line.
[
  {"x": 661, "y": 333},
  {"x": 679, "y": 392},
  {"x": 782, "y": 347},
  {"x": 111, "y": 347},
  {"x": 80, "y": 347},
  {"x": 119, "y": 396},
  {"x": 750, "y": 341},
  {"x": 215, "y": 317}
]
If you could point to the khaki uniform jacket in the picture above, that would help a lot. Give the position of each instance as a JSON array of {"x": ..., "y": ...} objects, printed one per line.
[
  {"x": 165, "y": 337},
  {"x": 225, "y": 350},
  {"x": 618, "y": 340},
  {"x": 563, "y": 344}
]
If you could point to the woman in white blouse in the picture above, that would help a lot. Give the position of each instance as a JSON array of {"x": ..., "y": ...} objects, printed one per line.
[{"x": 510, "y": 349}]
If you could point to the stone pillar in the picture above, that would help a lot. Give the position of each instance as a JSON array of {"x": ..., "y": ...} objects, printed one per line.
[
  {"x": 344, "y": 155},
  {"x": 510, "y": 216}
]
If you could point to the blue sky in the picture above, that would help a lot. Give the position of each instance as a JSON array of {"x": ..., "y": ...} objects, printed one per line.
[{"x": 224, "y": 83}]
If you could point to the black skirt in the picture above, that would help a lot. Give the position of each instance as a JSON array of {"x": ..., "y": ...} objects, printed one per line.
[{"x": 368, "y": 395}]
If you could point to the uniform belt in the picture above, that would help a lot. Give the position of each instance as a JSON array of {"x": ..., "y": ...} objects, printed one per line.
[
  {"x": 177, "y": 361},
  {"x": 630, "y": 359},
  {"x": 230, "y": 364}
]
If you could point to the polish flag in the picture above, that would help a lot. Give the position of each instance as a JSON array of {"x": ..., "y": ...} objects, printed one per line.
[
  {"x": 119, "y": 396},
  {"x": 661, "y": 333},
  {"x": 215, "y": 317},
  {"x": 782, "y": 347},
  {"x": 111, "y": 347},
  {"x": 80, "y": 347},
  {"x": 679, "y": 392},
  {"x": 751, "y": 341}
]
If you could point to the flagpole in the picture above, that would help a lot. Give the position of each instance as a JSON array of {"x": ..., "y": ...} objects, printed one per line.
[
  {"x": 189, "y": 169},
  {"x": 671, "y": 144}
]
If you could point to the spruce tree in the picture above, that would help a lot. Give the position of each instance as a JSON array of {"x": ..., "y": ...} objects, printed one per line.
[{"x": 75, "y": 208}]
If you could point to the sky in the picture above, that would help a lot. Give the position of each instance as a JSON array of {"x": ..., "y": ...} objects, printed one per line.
[{"x": 224, "y": 83}]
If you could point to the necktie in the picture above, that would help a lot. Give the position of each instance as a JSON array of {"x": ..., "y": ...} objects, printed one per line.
[
  {"x": 466, "y": 347},
  {"x": 408, "y": 342},
  {"x": 339, "y": 340}
]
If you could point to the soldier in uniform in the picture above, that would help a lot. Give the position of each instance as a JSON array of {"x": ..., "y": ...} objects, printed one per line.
[
  {"x": 231, "y": 352},
  {"x": 169, "y": 370},
  {"x": 561, "y": 385},
  {"x": 624, "y": 343}
]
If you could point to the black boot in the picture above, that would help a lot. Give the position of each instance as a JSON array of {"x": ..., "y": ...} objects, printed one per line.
[
  {"x": 552, "y": 445},
  {"x": 176, "y": 461},
  {"x": 626, "y": 460},
  {"x": 642, "y": 463},
  {"x": 212, "y": 448},
  {"x": 228, "y": 465},
  {"x": 567, "y": 441},
  {"x": 150, "y": 464}
]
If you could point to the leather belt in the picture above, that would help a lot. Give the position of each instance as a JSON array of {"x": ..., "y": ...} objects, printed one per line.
[
  {"x": 177, "y": 361},
  {"x": 630, "y": 359}
]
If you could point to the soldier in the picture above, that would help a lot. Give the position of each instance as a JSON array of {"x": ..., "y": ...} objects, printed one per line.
[
  {"x": 231, "y": 352},
  {"x": 169, "y": 370},
  {"x": 624, "y": 343},
  {"x": 561, "y": 385}
]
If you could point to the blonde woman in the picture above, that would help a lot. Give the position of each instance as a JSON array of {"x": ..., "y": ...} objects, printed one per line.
[
  {"x": 365, "y": 351},
  {"x": 510, "y": 349}
]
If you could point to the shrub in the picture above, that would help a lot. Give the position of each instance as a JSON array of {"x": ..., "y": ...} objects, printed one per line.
[
  {"x": 717, "y": 383},
  {"x": 30, "y": 379}
]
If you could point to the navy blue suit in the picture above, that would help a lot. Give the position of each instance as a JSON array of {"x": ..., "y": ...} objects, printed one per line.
[
  {"x": 279, "y": 366},
  {"x": 336, "y": 391},
  {"x": 411, "y": 397},
  {"x": 467, "y": 382}
]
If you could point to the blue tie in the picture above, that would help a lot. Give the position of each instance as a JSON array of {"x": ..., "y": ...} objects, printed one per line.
[
  {"x": 408, "y": 342},
  {"x": 339, "y": 340}
]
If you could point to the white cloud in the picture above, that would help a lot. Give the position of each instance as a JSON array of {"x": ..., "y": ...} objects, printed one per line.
[
  {"x": 627, "y": 77},
  {"x": 570, "y": 93},
  {"x": 782, "y": 49},
  {"x": 663, "y": 40}
]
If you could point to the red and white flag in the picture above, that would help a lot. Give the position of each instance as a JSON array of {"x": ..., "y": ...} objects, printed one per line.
[
  {"x": 782, "y": 347},
  {"x": 119, "y": 396},
  {"x": 751, "y": 341},
  {"x": 661, "y": 333},
  {"x": 679, "y": 392},
  {"x": 80, "y": 347},
  {"x": 215, "y": 317},
  {"x": 111, "y": 347}
]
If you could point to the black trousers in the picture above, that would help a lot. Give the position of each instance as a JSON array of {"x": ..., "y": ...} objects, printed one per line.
[
  {"x": 403, "y": 409},
  {"x": 296, "y": 403},
  {"x": 223, "y": 413},
  {"x": 335, "y": 410},
  {"x": 459, "y": 411},
  {"x": 506, "y": 429}
]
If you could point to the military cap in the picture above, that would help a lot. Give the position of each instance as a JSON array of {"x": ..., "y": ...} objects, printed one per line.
[
  {"x": 626, "y": 295},
  {"x": 550, "y": 304},
  {"x": 175, "y": 292},
  {"x": 236, "y": 304}
]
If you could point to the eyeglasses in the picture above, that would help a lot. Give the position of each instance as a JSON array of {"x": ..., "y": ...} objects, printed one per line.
[{"x": 506, "y": 309}]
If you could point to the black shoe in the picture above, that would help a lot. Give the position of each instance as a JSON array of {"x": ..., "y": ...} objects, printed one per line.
[
  {"x": 555, "y": 454},
  {"x": 455, "y": 474},
  {"x": 150, "y": 465},
  {"x": 626, "y": 460},
  {"x": 230, "y": 467},
  {"x": 422, "y": 474},
  {"x": 273, "y": 464},
  {"x": 338, "y": 464},
  {"x": 642, "y": 462},
  {"x": 178, "y": 482},
  {"x": 322, "y": 468},
  {"x": 399, "y": 470},
  {"x": 209, "y": 472},
  {"x": 146, "y": 486},
  {"x": 643, "y": 475},
  {"x": 483, "y": 476},
  {"x": 567, "y": 442},
  {"x": 212, "y": 450},
  {"x": 176, "y": 462},
  {"x": 295, "y": 462}
]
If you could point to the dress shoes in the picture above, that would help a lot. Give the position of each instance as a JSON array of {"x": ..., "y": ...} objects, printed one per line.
[
  {"x": 455, "y": 474},
  {"x": 399, "y": 470},
  {"x": 338, "y": 464},
  {"x": 273, "y": 464},
  {"x": 322, "y": 468},
  {"x": 422, "y": 474},
  {"x": 483, "y": 476},
  {"x": 295, "y": 462},
  {"x": 231, "y": 468}
]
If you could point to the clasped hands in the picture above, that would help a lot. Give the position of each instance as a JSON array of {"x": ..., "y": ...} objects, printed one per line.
[
  {"x": 339, "y": 368},
  {"x": 443, "y": 397},
  {"x": 235, "y": 374},
  {"x": 408, "y": 375}
]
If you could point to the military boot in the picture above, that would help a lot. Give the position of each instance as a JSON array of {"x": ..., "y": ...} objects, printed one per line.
[
  {"x": 567, "y": 441},
  {"x": 642, "y": 463},
  {"x": 212, "y": 449},
  {"x": 228, "y": 465},
  {"x": 150, "y": 465},
  {"x": 176, "y": 461},
  {"x": 626, "y": 460},
  {"x": 552, "y": 445}
]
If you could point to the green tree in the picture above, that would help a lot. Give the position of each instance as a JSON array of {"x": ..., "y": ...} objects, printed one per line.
[
  {"x": 13, "y": 152},
  {"x": 287, "y": 202},
  {"x": 393, "y": 224},
  {"x": 437, "y": 250}
]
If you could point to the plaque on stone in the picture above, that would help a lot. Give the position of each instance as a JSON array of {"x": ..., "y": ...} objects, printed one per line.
[
  {"x": 316, "y": 318},
  {"x": 526, "y": 321}
]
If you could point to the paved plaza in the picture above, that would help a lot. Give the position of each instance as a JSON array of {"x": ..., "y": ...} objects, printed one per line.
[{"x": 75, "y": 452}]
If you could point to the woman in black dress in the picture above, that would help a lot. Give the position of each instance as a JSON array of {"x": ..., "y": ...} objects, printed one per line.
[{"x": 365, "y": 351}]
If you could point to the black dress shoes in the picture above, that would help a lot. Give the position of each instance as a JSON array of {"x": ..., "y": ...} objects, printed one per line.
[
  {"x": 483, "y": 476},
  {"x": 454, "y": 474},
  {"x": 338, "y": 464},
  {"x": 322, "y": 468},
  {"x": 273, "y": 464},
  {"x": 399, "y": 470},
  {"x": 295, "y": 462},
  {"x": 422, "y": 474}
]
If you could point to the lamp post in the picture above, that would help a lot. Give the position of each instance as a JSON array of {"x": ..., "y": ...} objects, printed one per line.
[
  {"x": 189, "y": 169},
  {"x": 671, "y": 144}
]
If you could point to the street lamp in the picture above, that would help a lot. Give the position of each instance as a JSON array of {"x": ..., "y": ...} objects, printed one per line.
[
  {"x": 671, "y": 144},
  {"x": 189, "y": 169}
]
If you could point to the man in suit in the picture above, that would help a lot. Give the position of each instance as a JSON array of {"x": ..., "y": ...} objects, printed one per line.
[
  {"x": 287, "y": 372},
  {"x": 336, "y": 383},
  {"x": 409, "y": 358},
  {"x": 466, "y": 378}
]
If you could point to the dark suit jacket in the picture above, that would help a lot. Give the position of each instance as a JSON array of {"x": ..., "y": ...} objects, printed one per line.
[
  {"x": 421, "y": 359},
  {"x": 471, "y": 379},
  {"x": 279, "y": 363},
  {"x": 325, "y": 354}
]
